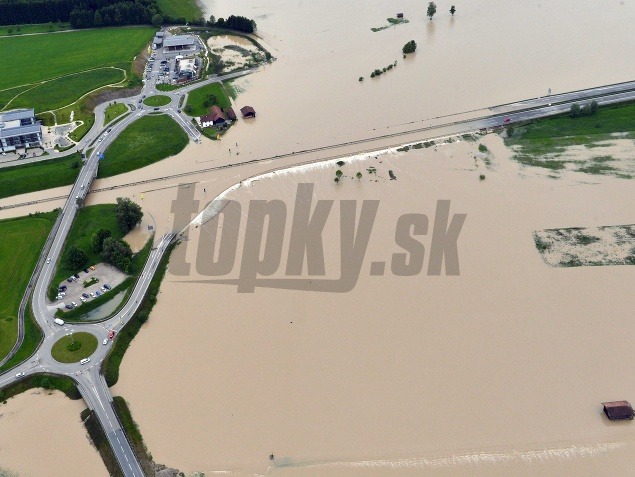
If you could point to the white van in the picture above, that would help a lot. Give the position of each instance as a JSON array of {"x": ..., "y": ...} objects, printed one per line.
[{"x": 57, "y": 321}]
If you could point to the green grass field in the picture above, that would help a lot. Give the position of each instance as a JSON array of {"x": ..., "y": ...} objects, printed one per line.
[
  {"x": 187, "y": 9},
  {"x": 157, "y": 100},
  {"x": 114, "y": 111},
  {"x": 20, "y": 244},
  {"x": 144, "y": 142},
  {"x": 63, "y": 91},
  {"x": 197, "y": 97},
  {"x": 71, "y": 349},
  {"x": 39, "y": 175},
  {"x": 58, "y": 54},
  {"x": 34, "y": 28}
]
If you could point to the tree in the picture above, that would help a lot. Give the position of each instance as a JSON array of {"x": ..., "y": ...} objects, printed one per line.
[
  {"x": 98, "y": 20},
  {"x": 18, "y": 29},
  {"x": 128, "y": 214},
  {"x": 575, "y": 110},
  {"x": 409, "y": 47},
  {"x": 10, "y": 31},
  {"x": 75, "y": 258},
  {"x": 97, "y": 240},
  {"x": 211, "y": 21},
  {"x": 46, "y": 383},
  {"x": 157, "y": 20},
  {"x": 452, "y": 10},
  {"x": 117, "y": 253},
  {"x": 359, "y": 175},
  {"x": 338, "y": 173},
  {"x": 432, "y": 9},
  {"x": 593, "y": 107},
  {"x": 50, "y": 26}
]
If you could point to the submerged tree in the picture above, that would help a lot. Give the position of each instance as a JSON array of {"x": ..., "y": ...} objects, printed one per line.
[
  {"x": 409, "y": 47},
  {"x": 452, "y": 10},
  {"x": 432, "y": 9}
]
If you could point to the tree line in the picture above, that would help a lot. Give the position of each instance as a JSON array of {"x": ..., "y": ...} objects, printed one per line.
[{"x": 98, "y": 13}]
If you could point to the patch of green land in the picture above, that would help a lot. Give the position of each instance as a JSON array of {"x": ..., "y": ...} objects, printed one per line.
[
  {"x": 157, "y": 100},
  {"x": 21, "y": 242},
  {"x": 73, "y": 348},
  {"x": 200, "y": 100},
  {"x": 39, "y": 175},
  {"x": 144, "y": 142},
  {"x": 174, "y": 9},
  {"x": 114, "y": 111}
]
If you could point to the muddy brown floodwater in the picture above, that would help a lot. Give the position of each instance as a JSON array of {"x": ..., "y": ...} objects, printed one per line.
[
  {"x": 499, "y": 371},
  {"x": 42, "y": 434}
]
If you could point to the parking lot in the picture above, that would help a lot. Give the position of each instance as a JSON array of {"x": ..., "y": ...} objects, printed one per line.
[{"x": 94, "y": 283}]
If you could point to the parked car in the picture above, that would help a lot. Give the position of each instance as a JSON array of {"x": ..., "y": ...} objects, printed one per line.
[
  {"x": 62, "y": 288},
  {"x": 85, "y": 295},
  {"x": 97, "y": 293},
  {"x": 69, "y": 279},
  {"x": 85, "y": 270},
  {"x": 76, "y": 276},
  {"x": 59, "y": 297},
  {"x": 106, "y": 286},
  {"x": 68, "y": 307},
  {"x": 92, "y": 267},
  {"x": 74, "y": 304},
  {"x": 92, "y": 295}
]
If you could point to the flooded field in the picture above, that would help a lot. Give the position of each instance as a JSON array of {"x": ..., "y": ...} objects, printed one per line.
[
  {"x": 42, "y": 434},
  {"x": 422, "y": 375},
  {"x": 500, "y": 370}
]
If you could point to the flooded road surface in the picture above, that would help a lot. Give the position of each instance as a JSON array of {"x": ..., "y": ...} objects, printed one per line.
[{"x": 42, "y": 434}]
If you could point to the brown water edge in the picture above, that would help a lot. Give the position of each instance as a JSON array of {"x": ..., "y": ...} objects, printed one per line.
[
  {"x": 41, "y": 433},
  {"x": 508, "y": 358}
]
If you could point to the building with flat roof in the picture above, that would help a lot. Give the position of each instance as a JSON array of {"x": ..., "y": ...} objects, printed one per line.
[
  {"x": 19, "y": 128},
  {"x": 179, "y": 43}
]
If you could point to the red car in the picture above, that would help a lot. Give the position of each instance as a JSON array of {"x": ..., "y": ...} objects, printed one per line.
[
  {"x": 507, "y": 119},
  {"x": 111, "y": 334}
]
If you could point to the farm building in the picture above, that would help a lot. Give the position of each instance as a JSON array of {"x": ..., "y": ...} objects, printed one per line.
[
  {"x": 217, "y": 115},
  {"x": 248, "y": 112},
  {"x": 179, "y": 43},
  {"x": 231, "y": 115},
  {"x": 618, "y": 410},
  {"x": 19, "y": 128}
]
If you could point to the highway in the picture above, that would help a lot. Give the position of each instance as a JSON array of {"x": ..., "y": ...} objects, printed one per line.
[{"x": 88, "y": 377}]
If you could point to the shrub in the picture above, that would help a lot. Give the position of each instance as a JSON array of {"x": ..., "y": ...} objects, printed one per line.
[{"x": 409, "y": 47}]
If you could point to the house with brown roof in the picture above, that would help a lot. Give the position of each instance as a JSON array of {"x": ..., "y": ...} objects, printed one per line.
[
  {"x": 231, "y": 115},
  {"x": 248, "y": 112},
  {"x": 217, "y": 115},
  {"x": 618, "y": 410}
]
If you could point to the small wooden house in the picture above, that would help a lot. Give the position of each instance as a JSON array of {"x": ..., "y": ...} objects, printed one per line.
[
  {"x": 230, "y": 114},
  {"x": 618, "y": 410},
  {"x": 217, "y": 115},
  {"x": 399, "y": 15},
  {"x": 248, "y": 112}
]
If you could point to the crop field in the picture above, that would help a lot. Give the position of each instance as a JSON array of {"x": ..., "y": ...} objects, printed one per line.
[{"x": 57, "y": 54}]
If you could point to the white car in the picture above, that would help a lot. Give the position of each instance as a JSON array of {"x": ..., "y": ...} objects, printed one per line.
[
  {"x": 84, "y": 361},
  {"x": 105, "y": 342},
  {"x": 83, "y": 299},
  {"x": 48, "y": 260},
  {"x": 92, "y": 295},
  {"x": 20, "y": 374}
]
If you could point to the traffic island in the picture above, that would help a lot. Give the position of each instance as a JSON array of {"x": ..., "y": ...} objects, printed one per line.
[
  {"x": 74, "y": 347},
  {"x": 157, "y": 100}
]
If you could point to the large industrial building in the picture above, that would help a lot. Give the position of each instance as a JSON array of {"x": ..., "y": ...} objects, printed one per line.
[
  {"x": 19, "y": 128},
  {"x": 179, "y": 43}
]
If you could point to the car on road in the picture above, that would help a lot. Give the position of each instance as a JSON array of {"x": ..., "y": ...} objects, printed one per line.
[
  {"x": 507, "y": 119},
  {"x": 58, "y": 321},
  {"x": 101, "y": 139},
  {"x": 156, "y": 109},
  {"x": 84, "y": 361},
  {"x": 48, "y": 260},
  {"x": 105, "y": 342},
  {"x": 111, "y": 334},
  {"x": 21, "y": 374}
]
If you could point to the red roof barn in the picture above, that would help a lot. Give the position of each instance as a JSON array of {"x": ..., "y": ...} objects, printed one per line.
[
  {"x": 217, "y": 115},
  {"x": 231, "y": 114},
  {"x": 618, "y": 410}
]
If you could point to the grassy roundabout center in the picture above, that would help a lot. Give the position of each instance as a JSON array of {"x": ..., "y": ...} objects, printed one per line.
[
  {"x": 75, "y": 347},
  {"x": 157, "y": 100}
]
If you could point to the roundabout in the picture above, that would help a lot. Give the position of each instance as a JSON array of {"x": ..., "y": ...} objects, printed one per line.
[{"x": 73, "y": 347}]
